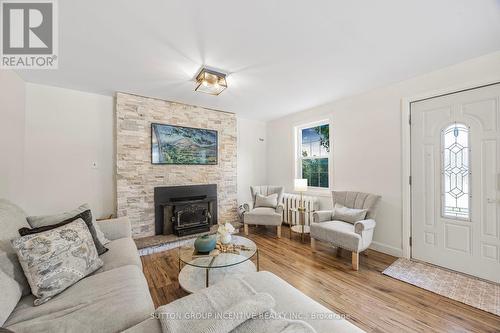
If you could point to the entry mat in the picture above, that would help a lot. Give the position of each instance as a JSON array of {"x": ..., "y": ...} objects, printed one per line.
[{"x": 463, "y": 288}]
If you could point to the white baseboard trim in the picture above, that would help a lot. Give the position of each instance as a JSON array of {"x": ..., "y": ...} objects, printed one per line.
[{"x": 387, "y": 249}]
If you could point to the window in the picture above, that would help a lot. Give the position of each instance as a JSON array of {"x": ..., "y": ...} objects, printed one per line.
[
  {"x": 313, "y": 150},
  {"x": 456, "y": 173}
]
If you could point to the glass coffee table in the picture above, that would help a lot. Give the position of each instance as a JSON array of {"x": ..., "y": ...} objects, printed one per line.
[{"x": 200, "y": 271}]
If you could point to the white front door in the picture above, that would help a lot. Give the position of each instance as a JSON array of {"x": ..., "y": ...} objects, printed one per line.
[{"x": 455, "y": 181}]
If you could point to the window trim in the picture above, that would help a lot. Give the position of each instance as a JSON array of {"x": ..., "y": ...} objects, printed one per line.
[
  {"x": 298, "y": 155},
  {"x": 441, "y": 166}
]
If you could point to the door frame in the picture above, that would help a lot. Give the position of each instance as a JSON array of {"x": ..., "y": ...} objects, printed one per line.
[{"x": 406, "y": 150}]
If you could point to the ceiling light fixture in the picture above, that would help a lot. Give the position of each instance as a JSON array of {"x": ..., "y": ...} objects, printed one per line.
[{"x": 210, "y": 82}]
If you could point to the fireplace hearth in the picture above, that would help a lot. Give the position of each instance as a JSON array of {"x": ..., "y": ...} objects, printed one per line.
[{"x": 185, "y": 210}]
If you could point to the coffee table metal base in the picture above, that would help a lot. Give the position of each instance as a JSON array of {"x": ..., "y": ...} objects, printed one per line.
[{"x": 192, "y": 278}]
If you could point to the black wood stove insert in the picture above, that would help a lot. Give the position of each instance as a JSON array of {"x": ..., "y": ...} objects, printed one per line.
[{"x": 185, "y": 210}]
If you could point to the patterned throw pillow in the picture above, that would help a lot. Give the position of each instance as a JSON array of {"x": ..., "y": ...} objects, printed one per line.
[
  {"x": 266, "y": 201},
  {"x": 55, "y": 259},
  {"x": 351, "y": 215}
]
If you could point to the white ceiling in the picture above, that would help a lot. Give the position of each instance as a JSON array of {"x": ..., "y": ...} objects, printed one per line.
[{"x": 282, "y": 56}]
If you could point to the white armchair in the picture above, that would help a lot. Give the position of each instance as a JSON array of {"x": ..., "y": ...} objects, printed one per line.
[
  {"x": 354, "y": 236},
  {"x": 267, "y": 215}
]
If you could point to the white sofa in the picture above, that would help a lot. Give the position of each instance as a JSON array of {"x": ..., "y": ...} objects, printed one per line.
[
  {"x": 116, "y": 298},
  {"x": 112, "y": 299}
]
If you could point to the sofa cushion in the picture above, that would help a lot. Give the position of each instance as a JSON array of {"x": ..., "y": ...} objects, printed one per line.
[
  {"x": 262, "y": 216},
  {"x": 12, "y": 218},
  {"x": 122, "y": 252},
  {"x": 11, "y": 294},
  {"x": 111, "y": 301},
  {"x": 116, "y": 228},
  {"x": 291, "y": 301},
  {"x": 100, "y": 235},
  {"x": 55, "y": 259},
  {"x": 338, "y": 232},
  {"x": 41, "y": 223}
]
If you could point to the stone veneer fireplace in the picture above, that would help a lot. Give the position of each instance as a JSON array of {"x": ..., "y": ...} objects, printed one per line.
[{"x": 137, "y": 177}]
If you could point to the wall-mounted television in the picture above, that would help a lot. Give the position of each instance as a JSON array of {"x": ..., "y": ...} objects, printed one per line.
[{"x": 172, "y": 144}]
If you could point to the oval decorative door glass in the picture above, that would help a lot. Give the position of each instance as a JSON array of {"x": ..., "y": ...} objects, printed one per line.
[{"x": 456, "y": 173}]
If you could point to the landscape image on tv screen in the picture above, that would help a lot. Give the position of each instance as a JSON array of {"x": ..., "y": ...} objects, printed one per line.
[{"x": 182, "y": 145}]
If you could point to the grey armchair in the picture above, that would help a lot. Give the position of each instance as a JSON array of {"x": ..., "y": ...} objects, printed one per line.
[
  {"x": 269, "y": 215},
  {"x": 352, "y": 236}
]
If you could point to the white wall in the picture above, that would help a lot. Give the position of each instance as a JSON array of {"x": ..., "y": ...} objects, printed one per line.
[
  {"x": 366, "y": 132},
  {"x": 54, "y": 139},
  {"x": 252, "y": 156},
  {"x": 12, "y": 99},
  {"x": 66, "y": 131}
]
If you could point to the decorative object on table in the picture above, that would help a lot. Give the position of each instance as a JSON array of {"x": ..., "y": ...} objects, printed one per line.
[
  {"x": 224, "y": 231},
  {"x": 205, "y": 244},
  {"x": 213, "y": 253},
  {"x": 268, "y": 216},
  {"x": 349, "y": 234},
  {"x": 232, "y": 248},
  {"x": 183, "y": 145}
]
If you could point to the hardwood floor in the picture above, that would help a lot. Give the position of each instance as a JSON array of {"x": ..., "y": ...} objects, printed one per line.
[{"x": 371, "y": 300}]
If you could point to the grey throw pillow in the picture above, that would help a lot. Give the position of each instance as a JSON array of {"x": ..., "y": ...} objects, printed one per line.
[
  {"x": 11, "y": 294},
  {"x": 55, "y": 259},
  {"x": 266, "y": 201},
  {"x": 351, "y": 215},
  {"x": 46, "y": 222}
]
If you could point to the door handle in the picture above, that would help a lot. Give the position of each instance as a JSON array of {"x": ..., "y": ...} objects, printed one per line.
[{"x": 490, "y": 200}]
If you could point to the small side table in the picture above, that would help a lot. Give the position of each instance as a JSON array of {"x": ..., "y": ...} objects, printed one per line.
[{"x": 300, "y": 228}]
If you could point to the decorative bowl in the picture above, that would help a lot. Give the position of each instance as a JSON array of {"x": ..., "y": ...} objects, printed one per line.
[{"x": 205, "y": 244}]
